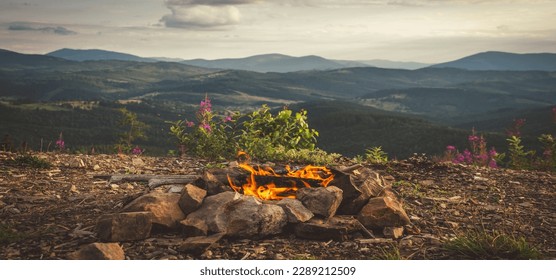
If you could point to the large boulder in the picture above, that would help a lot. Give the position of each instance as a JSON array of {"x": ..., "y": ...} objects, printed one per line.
[
  {"x": 164, "y": 208},
  {"x": 321, "y": 201},
  {"x": 212, "y": 213},
  {"x": 296, "y": 212},
  {"x": 247, "y": 218},
  {"x": 236, "y": 215}
]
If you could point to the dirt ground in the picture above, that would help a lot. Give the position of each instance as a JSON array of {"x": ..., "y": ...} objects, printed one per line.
[{"x": 46, "y": 213}]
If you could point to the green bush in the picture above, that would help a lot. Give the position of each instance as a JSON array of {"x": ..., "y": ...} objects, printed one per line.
[
  {"x": 518, "y": 157},
  {"x": 265, "y": 136},
  {"x": 285, "y": 136},
  {"x": 376, "y": 155}
]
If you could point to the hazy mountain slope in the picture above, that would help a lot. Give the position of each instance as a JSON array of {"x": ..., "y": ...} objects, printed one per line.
[
  {"x": 12, "y": 60},
  {"x": 537, "y": 121},
  {"x": 381, "y": 63},
  {"x": 451, "y": 104},
  {"x": 344, "y": 127},
  {"x": 438, "y": 93},
  {"x": 350, "y": 128},
  {"x": 269, "y": 63},
  {"x": 94, "y": 54},
  {"x": 504, "y": 61}
]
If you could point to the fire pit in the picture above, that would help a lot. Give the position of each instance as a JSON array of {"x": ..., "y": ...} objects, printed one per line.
[{"x": 251, "y": 201}]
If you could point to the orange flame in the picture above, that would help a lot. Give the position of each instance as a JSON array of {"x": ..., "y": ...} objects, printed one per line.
[{"x": 320, "y": 175}]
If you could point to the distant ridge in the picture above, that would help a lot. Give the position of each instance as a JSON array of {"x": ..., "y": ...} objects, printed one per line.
[
  {"x": 95, "y": 54},
  {"x": 503, "y": 61},
  {"x": 10, "y": 58},
  {"x": 271, "y": 63},
  {"x": 409, "y": 65}
]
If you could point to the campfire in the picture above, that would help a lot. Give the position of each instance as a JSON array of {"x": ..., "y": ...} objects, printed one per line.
[
  {"x": 268, "y": 184},
  {"x": 250, "y": 201}
]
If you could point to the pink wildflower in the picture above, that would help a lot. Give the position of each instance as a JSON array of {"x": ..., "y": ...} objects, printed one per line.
[
  {"x": 60, "y": 144},
  {"x": 492, "y": 164},
  {"x": 206, "y": 127},
  {"x": 137, "y": 150}
]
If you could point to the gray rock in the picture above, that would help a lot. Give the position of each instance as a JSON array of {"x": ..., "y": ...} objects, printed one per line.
[
  {"x": 296, "y": 212},
  {"x": 175, "y": 188},
  {"x": 164, "y": 207},
  {"x": 211, "y": 211},
  {"x": 191, "y": 198},
  {"x": 321, "y": 201},
  {"x": 237, "y": 215},
  {"x": 99, "y": 251},
  {"x": 124, "y": 226},
  {"x": 247, "y": 217}
]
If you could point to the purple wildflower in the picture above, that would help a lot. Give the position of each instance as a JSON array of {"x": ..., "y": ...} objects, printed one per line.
[
  {"x": 458, "y": 159},
  {"x": 492, "y": 164},
  {"x": 189, "y": 123},
  {"x": 205, "y": 106},
  {"x": 137, "y": 150},
  {"x": 492, "y": 153},
  {"x": 206, "y": 127},
  {"x": 227, "y": 119},
  {"x": 473, "y": 138},
  {"x": 60, "y": 144},
  {"x": 482, "y": 158},
  {"x": 468, "y": 157},
  {"x": 450, "y": 148}
]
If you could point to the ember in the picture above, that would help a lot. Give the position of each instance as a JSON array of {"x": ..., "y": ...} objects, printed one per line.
[{"x": 267, "y": 184}]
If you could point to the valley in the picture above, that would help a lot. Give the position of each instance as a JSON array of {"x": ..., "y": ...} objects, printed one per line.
[{"x": 403, "y": 111}]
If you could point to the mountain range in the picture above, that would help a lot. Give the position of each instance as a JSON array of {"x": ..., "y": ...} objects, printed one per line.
[
  {"x": 258, "y": 63},
  {"x": 503, "y": 61},
  {"x": 492, "y": 60},
  {"x": 367, "y": 105}
]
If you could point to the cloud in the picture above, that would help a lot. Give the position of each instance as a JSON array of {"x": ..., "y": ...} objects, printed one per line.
[
  {"x": 201, "y": 16},
  {"x": 203, "y": 13},
  {"x": 208, "y": 2},
  {"x": 25, "y": 26}
]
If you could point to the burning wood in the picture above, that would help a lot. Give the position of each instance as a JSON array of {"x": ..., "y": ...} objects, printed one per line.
[{"x": 267, "y": 184}]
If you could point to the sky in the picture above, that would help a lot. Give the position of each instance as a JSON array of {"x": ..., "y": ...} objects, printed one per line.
[{"x": 428, "y": 31}]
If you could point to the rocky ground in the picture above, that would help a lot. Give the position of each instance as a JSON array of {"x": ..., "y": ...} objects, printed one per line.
[{"x": 47, "y": 213}]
